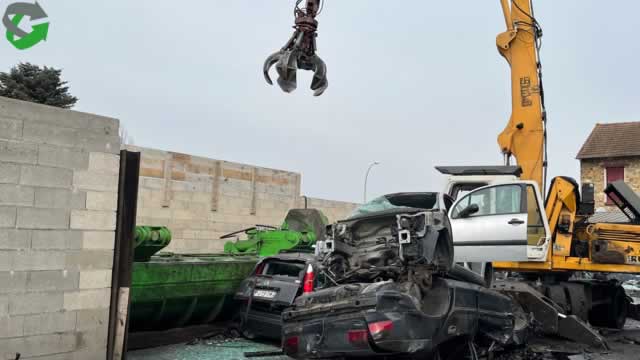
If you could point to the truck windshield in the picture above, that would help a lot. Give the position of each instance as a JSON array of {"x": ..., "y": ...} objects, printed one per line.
[{"x": 425, "y": 201}]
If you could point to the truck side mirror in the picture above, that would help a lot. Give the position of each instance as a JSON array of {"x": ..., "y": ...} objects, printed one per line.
[{"x": 468, "y": 211}]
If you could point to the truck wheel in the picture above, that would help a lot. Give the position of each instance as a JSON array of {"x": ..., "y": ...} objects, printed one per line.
[
  {"x": 611, "y": 315},
  {"x": 618, "y": 309}
]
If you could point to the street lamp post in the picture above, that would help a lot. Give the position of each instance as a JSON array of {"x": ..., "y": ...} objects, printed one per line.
[{"x": 366, "y": 177}]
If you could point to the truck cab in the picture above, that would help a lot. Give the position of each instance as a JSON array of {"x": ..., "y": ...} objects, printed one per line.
[{"x": 495, "y": 216}]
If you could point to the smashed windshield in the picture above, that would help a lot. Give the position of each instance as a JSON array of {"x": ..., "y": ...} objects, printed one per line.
[{"x": 397, "y": 201}]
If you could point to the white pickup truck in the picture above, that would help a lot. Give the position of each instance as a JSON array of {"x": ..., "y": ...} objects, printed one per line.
[{"x": 495, "y": 216}]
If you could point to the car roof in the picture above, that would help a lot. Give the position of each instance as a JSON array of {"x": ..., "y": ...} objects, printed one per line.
[{"x": 436, "y": 194}]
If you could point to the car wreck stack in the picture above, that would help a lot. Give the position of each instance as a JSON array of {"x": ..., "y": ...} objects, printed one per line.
[{"x": 395, "y": 290}]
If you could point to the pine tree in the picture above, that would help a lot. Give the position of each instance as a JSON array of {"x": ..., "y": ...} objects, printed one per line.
[{"x": 30, "y": 82}]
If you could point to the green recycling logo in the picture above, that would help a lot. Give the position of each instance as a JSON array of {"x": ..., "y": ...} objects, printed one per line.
[{"x": 19, "y": 38}]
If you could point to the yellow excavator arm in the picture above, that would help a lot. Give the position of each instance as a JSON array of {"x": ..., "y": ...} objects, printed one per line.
[{"x": 524, "y": 136}]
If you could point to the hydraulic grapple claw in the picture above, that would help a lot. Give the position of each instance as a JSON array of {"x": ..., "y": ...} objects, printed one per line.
[
  {"x": 319, "y": 83},
  {"x": 299, "y": 53},
  {"x": 271, "y": 60}
]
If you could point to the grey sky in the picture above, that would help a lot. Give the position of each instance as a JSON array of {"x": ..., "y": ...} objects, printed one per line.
[{"x": 413, "y": 84}]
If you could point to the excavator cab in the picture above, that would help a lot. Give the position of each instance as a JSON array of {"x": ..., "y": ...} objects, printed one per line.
[{"x": 500, "y": 222}]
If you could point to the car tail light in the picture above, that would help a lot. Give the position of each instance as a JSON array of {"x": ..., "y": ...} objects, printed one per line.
[
  {"x": 290, "y": 345},
  {"x": 377, "y": 329},
  {"x": 309, "y": 278},
  {"x": 259, "y": 269},
  {"x": 357, "y": 337}
]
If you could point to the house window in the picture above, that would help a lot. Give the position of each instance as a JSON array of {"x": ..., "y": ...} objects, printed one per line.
[{"x": 613, "y": 173}]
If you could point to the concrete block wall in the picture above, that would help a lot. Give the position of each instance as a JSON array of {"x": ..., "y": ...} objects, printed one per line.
[
  {"x": 58, "y": 191},
  {"x": 201, "y": 199},
  {"x": 593, "y": 171}
]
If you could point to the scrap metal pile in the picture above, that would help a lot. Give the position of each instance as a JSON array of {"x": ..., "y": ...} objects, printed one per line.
[{"x": 391, "y": 287}]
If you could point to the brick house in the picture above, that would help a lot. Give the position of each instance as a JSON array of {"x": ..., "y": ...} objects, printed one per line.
[{"x": 611, "y": 153}]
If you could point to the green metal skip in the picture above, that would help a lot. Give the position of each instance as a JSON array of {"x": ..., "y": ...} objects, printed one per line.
[{"x": 176, "y": 290}]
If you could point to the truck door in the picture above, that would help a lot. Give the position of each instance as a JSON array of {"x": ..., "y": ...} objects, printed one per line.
[{"x": 490, "y": 224}]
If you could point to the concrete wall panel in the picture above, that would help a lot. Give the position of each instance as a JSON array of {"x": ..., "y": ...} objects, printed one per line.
[{"x": 58, "y": 173}]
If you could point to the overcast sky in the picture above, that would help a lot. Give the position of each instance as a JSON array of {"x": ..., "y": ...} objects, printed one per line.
[{"x": 413, "y": 84}]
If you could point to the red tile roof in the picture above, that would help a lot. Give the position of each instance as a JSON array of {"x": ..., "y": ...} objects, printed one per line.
[{"x": 612, "y": 140}]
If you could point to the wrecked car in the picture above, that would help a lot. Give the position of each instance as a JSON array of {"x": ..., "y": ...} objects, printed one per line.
[
  {"x": 395, "y": 289},
  {"x": 273, "y": 285}
]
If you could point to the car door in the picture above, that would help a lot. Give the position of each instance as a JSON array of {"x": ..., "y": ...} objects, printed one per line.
[{"x": 490, "y": 224}]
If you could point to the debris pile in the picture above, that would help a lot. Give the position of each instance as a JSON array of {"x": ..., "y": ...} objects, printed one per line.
[{"x": 393, "y": 288}]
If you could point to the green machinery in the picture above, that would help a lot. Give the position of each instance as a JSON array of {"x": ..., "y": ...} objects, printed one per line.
[
  {"x": 174, "y": 290},
  {"x": 148, "y": 240},
  {"x": 299, "y": 231},
  {"x": 171, "y": 290}
]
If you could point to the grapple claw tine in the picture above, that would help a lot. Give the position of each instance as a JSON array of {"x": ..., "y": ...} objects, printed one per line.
[
  {"x": 287, "y": 67},
  {"x": 322, "y": 87},
  {"x": 287, "y": 85},
  {"x": 271, "y": 60},
  {"x": 319, "y": 83}
]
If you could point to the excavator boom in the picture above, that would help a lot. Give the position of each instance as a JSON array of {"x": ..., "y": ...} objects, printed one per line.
[{"x": 524, "y": 136}]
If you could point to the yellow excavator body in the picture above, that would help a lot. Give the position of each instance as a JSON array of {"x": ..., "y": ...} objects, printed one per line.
[{"x": 524, "y": 139}]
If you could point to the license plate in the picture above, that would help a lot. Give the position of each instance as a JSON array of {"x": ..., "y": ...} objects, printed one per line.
[{"x": 267, "y": 294}]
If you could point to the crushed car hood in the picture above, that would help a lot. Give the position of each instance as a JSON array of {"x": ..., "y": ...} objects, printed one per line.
[{"x": 383, "y": 245}]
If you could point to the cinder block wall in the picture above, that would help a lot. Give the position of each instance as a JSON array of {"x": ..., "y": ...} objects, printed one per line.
[
  {"x": 201, "y": 199},
  {"x": 592, "y": 171},
  {"x": 58, "y": 191}
]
